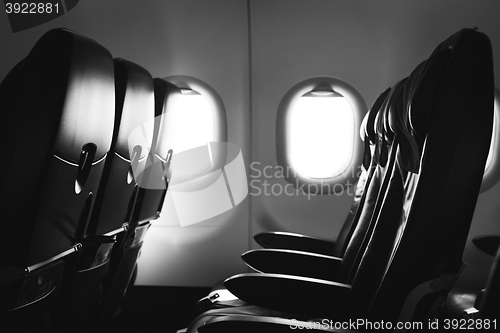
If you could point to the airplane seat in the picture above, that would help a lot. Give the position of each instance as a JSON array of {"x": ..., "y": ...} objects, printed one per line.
[
  {"x": 134, "y": 114},
  {"x": 443, "y": 119},
  {"x": 452, "y": 132},
  {"x": 299, "y": 242},
  {"x": 57, "y": 118},
  {"x": 132, "y": 144}
]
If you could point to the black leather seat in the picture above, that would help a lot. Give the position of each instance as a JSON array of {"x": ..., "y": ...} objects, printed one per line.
[
  {"x": 57, "y": 111},
  {"x": 442, "y": 120}
]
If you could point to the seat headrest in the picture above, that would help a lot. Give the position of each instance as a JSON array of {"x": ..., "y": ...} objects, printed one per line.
[
  {"x": 424, "y": 86},
  {"x": 66, "y": 86},
  {"x": 86, "y": 116},
  {"x": 458, "y": 40},
  {"x": 426, "y": 79}
]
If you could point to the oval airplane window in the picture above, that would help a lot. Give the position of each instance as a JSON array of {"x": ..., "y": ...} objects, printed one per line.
[
  {"x": 318, "y": 135},
  {"x": 492, "y": 168}
]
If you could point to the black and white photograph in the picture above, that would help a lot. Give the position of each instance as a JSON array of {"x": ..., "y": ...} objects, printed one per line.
[{"x": 220, "y": 166}]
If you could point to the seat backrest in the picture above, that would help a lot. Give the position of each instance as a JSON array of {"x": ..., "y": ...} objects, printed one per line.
[
  {"x": 131, "y": 143},
  {"x": 57, "y": 119},
  {"x": 444, "y": 128}
]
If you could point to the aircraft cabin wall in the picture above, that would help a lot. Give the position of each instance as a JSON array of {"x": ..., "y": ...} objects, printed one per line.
[{"x": 251, "y": 53}]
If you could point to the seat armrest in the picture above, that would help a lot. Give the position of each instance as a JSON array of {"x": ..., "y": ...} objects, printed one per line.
[
  {"x": 292, "y": 262},
  {"x": 292, "y": 294},
  {"x": 292, "y": 241},
  {"x": 251, "y": 324}
]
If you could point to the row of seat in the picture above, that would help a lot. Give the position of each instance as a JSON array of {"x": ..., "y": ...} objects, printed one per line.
[
  {"x": 83, "y": 178},
  {"x": 400, "y": 251}
]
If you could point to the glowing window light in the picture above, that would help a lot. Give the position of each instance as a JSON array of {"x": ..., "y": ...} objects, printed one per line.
[
  {"x": 190, "y": 121},
  {"x": 321, "y": 136}
]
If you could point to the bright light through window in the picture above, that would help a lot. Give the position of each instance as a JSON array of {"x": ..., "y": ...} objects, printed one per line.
[
  {"x": 321, "y": 136},
  {"x": 190, "y": 121}
]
